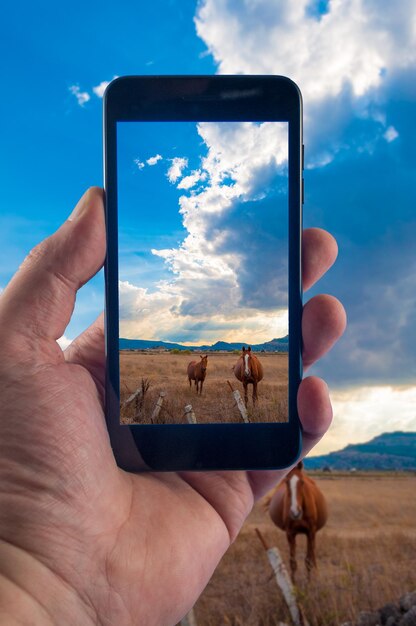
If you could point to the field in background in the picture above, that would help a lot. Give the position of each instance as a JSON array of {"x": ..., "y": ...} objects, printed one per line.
[
  {"x": 167, "y": 372},
  {"x": 366, "y": 558}
]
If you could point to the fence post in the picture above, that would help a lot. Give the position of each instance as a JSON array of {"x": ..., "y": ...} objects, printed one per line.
[
  {"x": 239, "y": 401},
  {"x": 190, "y": 415},
  {"x": 189, "y": 619},
  {"x": 133, "y": 396},
  {"x": 284, "y": 582},
  {"x": 158, "y": 406}
]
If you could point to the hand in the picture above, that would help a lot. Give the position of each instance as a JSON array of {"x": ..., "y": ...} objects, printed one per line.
[{"x": 81, "y": 541}]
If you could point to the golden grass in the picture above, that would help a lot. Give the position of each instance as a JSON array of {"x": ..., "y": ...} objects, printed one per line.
[
  {"x": 168, "y": 372},
  {"x": 366, "y": 558}
]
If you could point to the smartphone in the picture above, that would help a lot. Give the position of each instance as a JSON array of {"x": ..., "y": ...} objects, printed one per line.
[{"x": 204, "y": 193}]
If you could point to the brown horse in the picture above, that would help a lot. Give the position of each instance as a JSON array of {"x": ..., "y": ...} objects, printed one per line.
[
  {"x": 298, "y": 506},
  {"x": 249, "y": 371},
  {"x": 197, "y": 372}
]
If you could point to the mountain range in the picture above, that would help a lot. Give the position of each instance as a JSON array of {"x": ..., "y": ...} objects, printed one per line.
[
  {"x": 388, "y": 451},
  {"x": 275, "y": 345}
]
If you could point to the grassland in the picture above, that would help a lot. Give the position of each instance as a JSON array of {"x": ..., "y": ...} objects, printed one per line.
[
  {"x": 366, "y": 558},
  {"x": 167, "y": 372}
]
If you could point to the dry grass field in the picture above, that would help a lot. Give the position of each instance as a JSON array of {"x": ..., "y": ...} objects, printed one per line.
[
  {"x": 366, "y": 558},
  {"x": 167, "y": 372}
]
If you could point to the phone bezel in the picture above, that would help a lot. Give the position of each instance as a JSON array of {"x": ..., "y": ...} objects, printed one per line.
[{"x": 203, "y": 98}]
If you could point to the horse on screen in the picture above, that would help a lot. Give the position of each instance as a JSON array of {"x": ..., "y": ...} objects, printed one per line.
[
  {"x": 249, "y": 371},
  {"x": 197, "y": 372}
]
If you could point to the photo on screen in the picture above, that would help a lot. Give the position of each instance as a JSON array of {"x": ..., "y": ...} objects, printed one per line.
[{"x": 203, "y": 272}]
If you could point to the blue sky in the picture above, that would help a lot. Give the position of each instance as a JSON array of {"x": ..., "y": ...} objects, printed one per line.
[{"x": 355, "y": 62}]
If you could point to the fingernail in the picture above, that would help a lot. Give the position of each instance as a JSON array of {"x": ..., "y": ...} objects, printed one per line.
[{"x": 80, "y": 208}]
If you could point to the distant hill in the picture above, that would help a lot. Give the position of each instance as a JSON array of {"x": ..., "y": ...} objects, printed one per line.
[
  {"x": 388, "y": 451},
  {"x": 275, "y": 345}
]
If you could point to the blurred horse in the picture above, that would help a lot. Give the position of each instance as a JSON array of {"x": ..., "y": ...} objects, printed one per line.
[
  {"x": 249, "y": 371},
  {"x": 298, "y": 506},
  {"x": 197, "y": 372}
]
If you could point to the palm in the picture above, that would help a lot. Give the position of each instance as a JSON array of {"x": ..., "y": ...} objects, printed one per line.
[{"x": 123, "y": 541}]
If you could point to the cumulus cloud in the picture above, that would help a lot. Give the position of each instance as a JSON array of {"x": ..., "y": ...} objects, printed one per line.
[
  {"x": 347, "y": 54},
  {"x": 190, "y": 181},
  {"x": 355, "y": 65},
  {"x": 164, "y": 315},
  {"x": 176, "y": 169},
  {"x": 355, "y": 43},
  {"x": 231, "y": 266},
  {"x": 154, "y": 159},
  {"x": 81, "y": 96},
  {"x": 140, "y": 165}
]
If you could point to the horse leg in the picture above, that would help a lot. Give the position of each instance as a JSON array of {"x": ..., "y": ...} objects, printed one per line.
[
  {"x": 310, "y": 560},
  {"x": 196, "y": 385},
  {"x": 200, "y": 387},
  {"x": 254, "y": 393},
  {"x": 245, "y": 394},
  {"x": 291, "y": 537}
]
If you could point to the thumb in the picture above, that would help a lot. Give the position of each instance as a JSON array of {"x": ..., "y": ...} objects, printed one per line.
[{"x": 37, "y": 304}]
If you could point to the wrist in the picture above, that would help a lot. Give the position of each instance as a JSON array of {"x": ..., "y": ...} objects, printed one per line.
[{"x": 30, "y": 593}]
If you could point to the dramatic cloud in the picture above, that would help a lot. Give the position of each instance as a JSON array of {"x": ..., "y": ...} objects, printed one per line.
[
  {"x": 81, "y": 96},
  {"x": 231, "y": 266},
  {"x": 346, "y": 55},
  {"x": 355, "y": 62}
]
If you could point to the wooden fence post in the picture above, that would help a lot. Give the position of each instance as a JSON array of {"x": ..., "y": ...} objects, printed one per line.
[
  {"x": 133, "y": 396},
  {"x": 158, "y": 406},
  {"x": 284, "y": 582},
  {"x": 189, "y": 619},
  {"x": 239, "y": 401},
  {"x": 190, "y": 415}
]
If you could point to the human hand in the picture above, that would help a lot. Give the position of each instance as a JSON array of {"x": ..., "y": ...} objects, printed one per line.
[{"x": 82, "y": 541}]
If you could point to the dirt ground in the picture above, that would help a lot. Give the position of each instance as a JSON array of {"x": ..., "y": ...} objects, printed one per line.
[
  {"x": 167, "y": 372},
  {"x": 366, "y": 557}
]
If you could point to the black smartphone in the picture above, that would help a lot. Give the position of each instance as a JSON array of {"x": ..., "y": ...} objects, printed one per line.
[{"x": 204, "y": 192}]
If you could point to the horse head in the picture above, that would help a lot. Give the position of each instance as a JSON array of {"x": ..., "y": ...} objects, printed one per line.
[
  {"x": 204, "y": 363},
  {"x": 294, "y": 485}
]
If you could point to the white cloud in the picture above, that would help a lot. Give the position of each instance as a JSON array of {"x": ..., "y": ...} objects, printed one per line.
[
  {"x": 391, "y": 134},
  {"x": 176, "y": 169},
  {"x": 100, "y": 89},
  {"x": 64, "y": 342},
  {"x": 347, "y": 55},
  {"x": 157, "y": 315},
  {"x": 140, "y": 164},
  {"x": 153, "y": 160},
  {"x": 190, "y": 181},
  {"x": 81, "y": 96},
  {"x": 362, "y": 413},
  {"x": 355, "y": 44}
]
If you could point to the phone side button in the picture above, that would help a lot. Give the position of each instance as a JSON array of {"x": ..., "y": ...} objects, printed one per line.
[{"x": 303, "y": 156}]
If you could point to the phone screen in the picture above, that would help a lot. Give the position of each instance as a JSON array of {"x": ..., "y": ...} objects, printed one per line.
[{"x": 203, "y": 272}]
